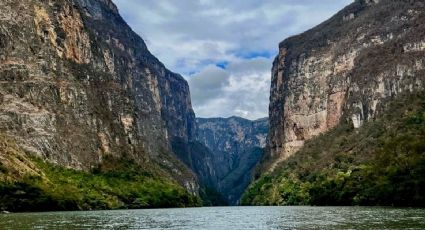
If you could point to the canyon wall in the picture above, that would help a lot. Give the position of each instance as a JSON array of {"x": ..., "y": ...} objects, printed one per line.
[
  {"x": 77, "y": 84},
  {"x": 347, "y": 68}
]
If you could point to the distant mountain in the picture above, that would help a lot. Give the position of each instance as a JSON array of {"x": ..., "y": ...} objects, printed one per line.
[{"x": 225, "y": 153}]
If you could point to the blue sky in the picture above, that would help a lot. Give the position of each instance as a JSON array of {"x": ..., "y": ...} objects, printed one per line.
[{"x": 224, "y": 49}]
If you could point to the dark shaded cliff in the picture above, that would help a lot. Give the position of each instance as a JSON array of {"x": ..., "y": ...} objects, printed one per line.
[
  {"x": 224, "y": 154},
  {"x": 346, "y": 109},
  {"x": 237, "y": 146},
  {"x": 78, "y": 86}
]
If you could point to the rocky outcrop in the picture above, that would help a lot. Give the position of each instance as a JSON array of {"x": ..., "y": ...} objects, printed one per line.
[
  {"x": 77, "y": 84},
  {"x": 234, "y": 146},
  {"x": 346, "y": 68}
]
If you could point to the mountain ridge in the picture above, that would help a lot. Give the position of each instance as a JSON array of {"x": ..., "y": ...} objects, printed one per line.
[{"x": 224, "y": 155}]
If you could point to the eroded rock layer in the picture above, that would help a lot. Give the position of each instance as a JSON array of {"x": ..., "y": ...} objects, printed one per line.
[
  {"x": 77, "y": 84},
  {"x": 347, "y": 68}
]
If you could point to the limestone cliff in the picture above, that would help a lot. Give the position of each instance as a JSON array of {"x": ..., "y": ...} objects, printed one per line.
[
  {"x": 347, "y": 68},
  {"x": 77, "y": 84}
]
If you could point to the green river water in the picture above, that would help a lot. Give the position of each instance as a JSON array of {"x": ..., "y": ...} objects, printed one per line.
[{"x": 223, "y": 218}]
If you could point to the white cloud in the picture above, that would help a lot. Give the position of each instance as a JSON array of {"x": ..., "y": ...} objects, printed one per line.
[
  {"x": 242, "y": 89},
  {"x": 192, "y": 36}
]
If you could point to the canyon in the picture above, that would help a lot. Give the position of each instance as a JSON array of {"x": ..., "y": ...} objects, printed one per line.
[{"x": 90, "y": 119}]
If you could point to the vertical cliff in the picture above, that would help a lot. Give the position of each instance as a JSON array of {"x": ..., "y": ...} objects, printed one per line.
[
  {"x": 347, "y": 68},
  {"x": 347, "y": 111},
  {"x": 78, "y": 85}
]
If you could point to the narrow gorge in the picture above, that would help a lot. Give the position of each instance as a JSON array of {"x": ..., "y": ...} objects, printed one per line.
[
  {"x": 224, "y": 155},
  {"x": 90, "y": 119}
]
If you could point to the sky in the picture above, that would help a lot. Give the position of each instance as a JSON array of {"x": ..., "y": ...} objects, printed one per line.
[{"x": 224, "y": 49}]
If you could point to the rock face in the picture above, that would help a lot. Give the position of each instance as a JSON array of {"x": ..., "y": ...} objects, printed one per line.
[
  {"x": 235, "y": 146},
  {"x": 346, "y": 68},
  {"x": 78, "y": 84}
]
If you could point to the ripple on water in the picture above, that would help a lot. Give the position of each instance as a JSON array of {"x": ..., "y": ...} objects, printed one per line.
[{"x": 223, "y": 218}]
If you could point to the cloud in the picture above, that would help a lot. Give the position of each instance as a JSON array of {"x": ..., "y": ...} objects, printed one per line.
[
  {"x": 241, "y": 89},
  {"x": 208, "y": 84},
  {"x": 208, "y": 39}
]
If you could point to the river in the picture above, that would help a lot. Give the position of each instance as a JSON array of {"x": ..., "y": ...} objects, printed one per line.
[{"x": 223, "y": 218}]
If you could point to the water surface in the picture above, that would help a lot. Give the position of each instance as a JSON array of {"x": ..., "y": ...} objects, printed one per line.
[{"x": 223, "y": 218}]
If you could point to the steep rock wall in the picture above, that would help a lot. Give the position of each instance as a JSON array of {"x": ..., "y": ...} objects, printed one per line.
[
  {"x": 78, "y": 84},
  {"x": 346, "y": 68}
]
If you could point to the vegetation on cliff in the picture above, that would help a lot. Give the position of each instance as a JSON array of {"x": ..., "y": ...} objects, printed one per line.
[
  {"x": 381, "y": 163},
  {"x": 31, "y": 184}
]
